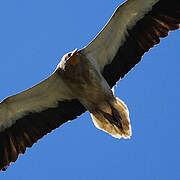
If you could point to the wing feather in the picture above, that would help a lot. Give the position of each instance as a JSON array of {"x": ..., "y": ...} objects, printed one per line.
[
  {"x": 135, "y": 27},
  {"x": 28, "y": 116}
]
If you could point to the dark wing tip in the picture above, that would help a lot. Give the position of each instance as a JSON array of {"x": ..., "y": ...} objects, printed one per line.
[
  {"x": 29, "y": 129},
  {"x": 145, "y": 34}
]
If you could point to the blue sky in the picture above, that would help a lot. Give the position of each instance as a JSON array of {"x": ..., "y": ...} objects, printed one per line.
[{"x": 34, "y": 36}]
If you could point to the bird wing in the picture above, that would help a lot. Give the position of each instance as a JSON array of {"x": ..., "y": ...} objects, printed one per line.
[
  {"x": 29, "y": 115},
  {"x": 134, "y": 28}
]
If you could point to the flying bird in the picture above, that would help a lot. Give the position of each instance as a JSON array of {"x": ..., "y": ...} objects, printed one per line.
[{"x": 83, "y": 80}]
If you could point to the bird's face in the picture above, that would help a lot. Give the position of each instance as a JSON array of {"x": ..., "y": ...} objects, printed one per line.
[{"x": 71, "y": 58}]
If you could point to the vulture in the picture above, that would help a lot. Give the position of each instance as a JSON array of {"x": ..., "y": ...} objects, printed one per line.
[{"x": 83, "y": 80}]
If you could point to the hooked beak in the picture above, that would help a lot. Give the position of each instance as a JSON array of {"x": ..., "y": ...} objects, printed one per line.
[{"x": 74, "y": 52}]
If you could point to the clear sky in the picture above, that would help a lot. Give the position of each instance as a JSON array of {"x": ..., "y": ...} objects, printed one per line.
[{"x": 34, "y": 35}]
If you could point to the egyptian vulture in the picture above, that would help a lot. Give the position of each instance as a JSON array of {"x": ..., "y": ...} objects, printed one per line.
[{"x": 83, "y": 79}]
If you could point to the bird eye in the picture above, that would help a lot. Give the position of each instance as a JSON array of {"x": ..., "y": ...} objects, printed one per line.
[{"x": 69, "y": 55}]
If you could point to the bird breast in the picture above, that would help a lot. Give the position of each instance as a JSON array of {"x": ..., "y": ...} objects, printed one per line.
[{"x": 85, "y": 81}]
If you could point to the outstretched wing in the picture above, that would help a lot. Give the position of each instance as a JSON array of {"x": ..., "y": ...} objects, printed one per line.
[
  {"x": 28, "y": 116},
  {"x": 135, "y": 27}
]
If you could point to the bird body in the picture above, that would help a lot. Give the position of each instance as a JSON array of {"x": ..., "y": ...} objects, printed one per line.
[
  {"x": 89, "y": 86},
  {"x": 84, "y": 79}
]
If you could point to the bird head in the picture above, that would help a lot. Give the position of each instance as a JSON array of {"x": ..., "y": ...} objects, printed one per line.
[
  {"x": 68, "y": 60},
  {"x": 71, "y": 57}
]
